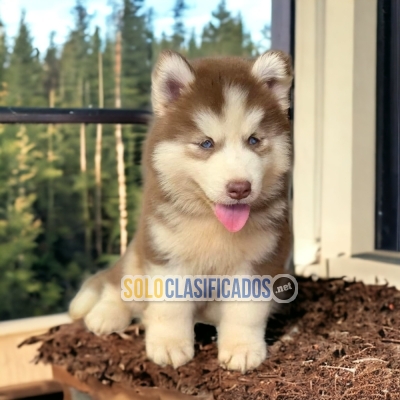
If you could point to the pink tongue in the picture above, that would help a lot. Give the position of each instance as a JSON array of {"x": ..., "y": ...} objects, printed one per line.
[{"x": 233, "y": 217}]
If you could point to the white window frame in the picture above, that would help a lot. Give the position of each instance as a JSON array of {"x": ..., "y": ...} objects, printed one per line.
[{"x": 335, "y": 140}]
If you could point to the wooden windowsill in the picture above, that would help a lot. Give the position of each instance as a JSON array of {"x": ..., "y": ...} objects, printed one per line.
[
  {"x": 16, "y": 366},
  {"x": 22, "y": 391}
]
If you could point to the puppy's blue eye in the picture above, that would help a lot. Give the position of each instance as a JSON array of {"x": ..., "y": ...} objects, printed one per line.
[
  {"x": 253, "y": 140},
  {"x": 207, "y": 144}
]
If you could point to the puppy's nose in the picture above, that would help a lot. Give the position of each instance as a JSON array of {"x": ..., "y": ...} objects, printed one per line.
[{"x": 238, "y": 189}]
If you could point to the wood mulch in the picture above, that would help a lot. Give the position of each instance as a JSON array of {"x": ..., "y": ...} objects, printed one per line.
[{"x": 337, "y": 340}]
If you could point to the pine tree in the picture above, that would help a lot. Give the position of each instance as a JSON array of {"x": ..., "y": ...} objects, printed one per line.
[
  {"x": 49, "y": 172},
  {"x": 244, "y": 46},
  {"x": 24, "y": 89},
  {"x": 178, "y": 29},
  {"x": 18, "y": 226},
  {"x": 225, "y": 34},
  {"x": 74, "y": 61},
  {"x": 108, "y": 72},
  {"x": 162, "y": 44},
  {"x": 3, "y": 61},
  {"x": 136, "y": 55},
  {"x": 216, "y": 32},
  {"x": 193, "y": 50},
  {"x": 74, "y": 191},
  {"x": 97, "y": 158},
  {"x": 95, "y": 47},
  {"x": 51, "y": 72}
]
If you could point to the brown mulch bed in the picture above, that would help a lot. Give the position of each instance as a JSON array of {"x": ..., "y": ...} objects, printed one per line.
[{"x": 337, "y": 340}]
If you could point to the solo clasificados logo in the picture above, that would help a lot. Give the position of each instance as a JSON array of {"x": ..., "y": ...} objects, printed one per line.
[{"x": 282, "y": 288}]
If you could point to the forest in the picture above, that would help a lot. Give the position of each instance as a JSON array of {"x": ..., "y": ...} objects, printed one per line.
[{"x": 70, "y": 194}]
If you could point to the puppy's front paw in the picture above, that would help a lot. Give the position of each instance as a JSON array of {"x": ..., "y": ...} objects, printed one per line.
[
  {"x": 242, "y": 356},
  {"x": 169, "y": 350},
  {"x": 82, "y": 303},
  {"x": 107, "y": 317}
]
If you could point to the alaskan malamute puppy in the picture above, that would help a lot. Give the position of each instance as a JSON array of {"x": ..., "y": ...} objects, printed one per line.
[{"x": 216, "y": 164}]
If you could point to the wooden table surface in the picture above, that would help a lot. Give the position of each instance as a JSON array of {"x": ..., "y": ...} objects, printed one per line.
[{"x": 98, "y": 391}]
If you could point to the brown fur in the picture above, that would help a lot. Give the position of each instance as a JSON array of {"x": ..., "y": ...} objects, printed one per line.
[
  {"x": 177, "y": 223},
  {"x": 177, "y": 124}
]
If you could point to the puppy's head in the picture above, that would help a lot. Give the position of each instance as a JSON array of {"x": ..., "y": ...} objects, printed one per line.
[{"x": 220, "y": 142}]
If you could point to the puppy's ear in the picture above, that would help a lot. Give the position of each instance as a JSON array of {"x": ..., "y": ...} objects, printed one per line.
[
  {"x": 273, "y": 69},
  {"x": 172, "y": 75}
]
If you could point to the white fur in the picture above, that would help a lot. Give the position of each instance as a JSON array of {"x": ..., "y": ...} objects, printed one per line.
[
  {"x": 100, "y": 303},
  {"x": 241, "y": 326},
  {"x": 165, "y": 344},
  {"x": 241, "y": 334},
  {"x": 234, "y": 162},
  {"x": 171, "y": 66},
  {"x": 270, "y": 66},
  {"x": 169, "y": 332},
  {"x": 191, "y": 237},
  {"x": 83, "y": 302},
  {"x": 243, "y": 350},
  {"x": 214, "y": 251},
  {"x": 237, "y": 122},
  {"x": 110, "y": 314}
]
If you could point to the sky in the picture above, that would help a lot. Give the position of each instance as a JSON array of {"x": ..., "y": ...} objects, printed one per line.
[{"x": 44, "y": 16}]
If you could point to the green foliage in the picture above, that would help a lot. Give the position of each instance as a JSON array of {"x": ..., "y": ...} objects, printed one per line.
[
  {"x": 178, "y": 29},
  {"x": 18, "y": 226},
  {"x": 46, "y": 201},
  {"x": 92, "y": 97},
  {"x": 108, "y": 71},
  {"x": 51, "y": 69},
  {"x": 136, "y": 55},
  {"x": 24, "y": 89},
  {"x": 193, "y": 51},
  {"x": 225, "y": 35},
  {"x": 75, "y": 84},
  {"x": 3, "y": 60}
]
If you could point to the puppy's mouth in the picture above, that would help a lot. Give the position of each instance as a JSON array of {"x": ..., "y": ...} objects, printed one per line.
[{"x": 232, "y": 216}]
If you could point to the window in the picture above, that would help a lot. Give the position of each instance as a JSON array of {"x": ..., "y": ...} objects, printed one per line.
[
  {"x": 388, "y": 127},
  {"x": 60, "y": 207}
]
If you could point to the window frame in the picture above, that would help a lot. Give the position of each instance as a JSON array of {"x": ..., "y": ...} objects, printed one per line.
[{"x": 335, "y": 142}]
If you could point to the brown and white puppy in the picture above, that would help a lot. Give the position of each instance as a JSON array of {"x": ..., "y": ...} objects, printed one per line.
[{"x": 216, "y": 165}]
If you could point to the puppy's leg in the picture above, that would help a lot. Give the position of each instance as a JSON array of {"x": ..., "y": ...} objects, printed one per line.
[
  {"x": 88, "y": 295},
  {"x": 111, "y": 313},
  {"x": 241, "y": 344},
  {"x": 169, "y": 332},
  {"x": 99, "y": 300}
]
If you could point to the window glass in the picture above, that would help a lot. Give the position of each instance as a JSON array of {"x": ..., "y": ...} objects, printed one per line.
[{"x": 60, "y": 210}]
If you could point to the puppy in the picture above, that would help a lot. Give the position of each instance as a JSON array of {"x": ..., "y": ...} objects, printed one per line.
[{"x": 216, "y": 164}]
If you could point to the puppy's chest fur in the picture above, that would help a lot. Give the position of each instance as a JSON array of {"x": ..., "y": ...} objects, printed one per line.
[{"x": 204, "y": 246}]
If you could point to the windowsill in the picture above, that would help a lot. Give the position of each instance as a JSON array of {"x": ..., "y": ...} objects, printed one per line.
[
  {"x": 371, "y": 268},
  {"x": 389, "y": 257},
  {"x": 16, "y": 363},
  {"x": 33, "y": 324}
]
